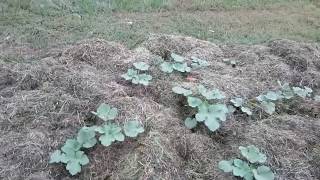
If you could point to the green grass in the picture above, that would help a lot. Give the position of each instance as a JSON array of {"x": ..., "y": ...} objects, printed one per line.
[{"x": 232, "y": 21}]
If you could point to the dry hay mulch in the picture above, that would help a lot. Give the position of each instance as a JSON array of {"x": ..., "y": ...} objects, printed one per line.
[{"x": 43, "y": 103}]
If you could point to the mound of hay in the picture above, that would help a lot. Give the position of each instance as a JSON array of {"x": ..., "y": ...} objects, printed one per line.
[{"x": 43, "y": 103}]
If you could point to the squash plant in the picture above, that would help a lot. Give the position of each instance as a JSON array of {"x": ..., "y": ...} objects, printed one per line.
[
  {"x": 209, "y": 110},
  {"x": 250, "y": 168},
  {"x": 177, "y": 63},
  {"x": 72, "y": 153},
  {"x": 137, "y": 75}
]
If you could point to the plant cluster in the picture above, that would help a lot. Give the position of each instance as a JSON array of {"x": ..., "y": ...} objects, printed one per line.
[
  {"x": 138, "y": 75},
  {"x": 177, "y": 63},
  {"x": 268, "y": 100},
  {"x": 240, "y": 103},
  {"x": 72, "y": 153},
  {"x": 250, "y": 168},
  {"x": 209, "y": 109}
]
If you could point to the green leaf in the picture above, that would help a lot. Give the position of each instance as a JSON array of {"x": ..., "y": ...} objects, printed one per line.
[
  {"x": 73, "y": 168},
  {"x": 71, "y": 146},
  {"x": 56, "y": 157},
  {"x": 177, "y": 58},
  {"x": 194, "y": 102},
  {"x": 287, "y": 91},
  {"x": 261, "y": 98},
  {"x": 181, "y": 67},
  {"x": 209, "y": 95},
  {"x": 268, "y": 107},
  {"x": 166, "y": 67},
  {"x": 231, "y": 109},
  {"x": 86, "y": 137},
  {"x": 212, "y": 124},
  {"x": 263, "y": 173},
  {"x": 190, "y": 123},
  {"x": 302, "y": 92},
  {"x": 242, "y": 169},
  {"x": 237, "y": 102},
  {"x": 131, "y": 73},
  {"x": 141, "y": 66},
  {"x": 246, "y": 110},
  {"x": 75, "y": 160},
  {"x": 133, "y": 128},
  {"x": 197, "y": 63},
  {"x": 105, "y": 112},
  {"x": 111, "y": 132},
  {"x": 226, "y": 166},
  {"x": 212, "y": 114},
  {"x": 317, "y": 98},
  {"x": 144, "y": 79},
  {"x": 273, "y": 96},
  {"x": 180, "y": 90},
  {"x": 252, "y": 154}
]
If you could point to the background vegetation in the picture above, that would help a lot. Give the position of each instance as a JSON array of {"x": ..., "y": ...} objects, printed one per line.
[{"x": 44, "y": 24}]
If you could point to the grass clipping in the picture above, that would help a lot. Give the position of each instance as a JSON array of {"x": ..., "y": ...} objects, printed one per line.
[{"x": 46, "y": 102}]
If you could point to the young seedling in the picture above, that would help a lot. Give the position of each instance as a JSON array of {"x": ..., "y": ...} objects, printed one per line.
[
  {"x": 209, "y": 111},
  {"x": 198, "y": 63},
  {"x": 251, "y": 168},
  {"x": 178, "y": 63},
  {"x": 71, "y": 152},
  {"x": 240, "y": 103},
  {"x": 136, "y": 76},
  {"x": 71, "y": 155}
]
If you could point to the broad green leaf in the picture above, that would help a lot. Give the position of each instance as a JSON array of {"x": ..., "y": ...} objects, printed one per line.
[
  {"x": 261, "y": 98},
  {"x": 242, "y": 169},
  {"x": 73, "y": 168},
  {"x": 133, "y": 128},
  {"x": 166, "y": 67},
  {"x": 231, "y": 109},
  {"x": 177, "y": 58},
  {"x": 252, "y": 154},
  {"x": 226, "y": 166},
  {"x": 181, "y": 67},
  {"x": 141, "y": 66},
  {"x": 71, "y": 146},
  {"x": 263, "y": 173},
  {"x": 308, "y": 90},
  {"x": 209, "y": 95},
  {"x": 111, "y": 132},
  {"x": 131, "y": 73},
  {"x": 86, "y": 137},
  {"x": 180, "y": 90},
  {"x": 194, "y": 102},
  {"x": 237, "y": 102},
  {"x": 273, "y": 96},
  {"x": 268, "y": 107},
  {"x": 219, "y": 110},
  {"x": 190, "y": 123},
  {"x": 317, "y": 98},
  {"x": 105, "y": 112},
  {"x": 287, "y": 91},
  {"x": 212, "y": 114},
  {"x": 75, "y": 160},
  {"x": 246, "y": 110},
  {"x": 56, "y": 157},
  {"x": 302, "y": 92},
  {"x": 212, "y": 124},
  {"x": 144, "y": 79},
  {"x": 197, "y": 63}
]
